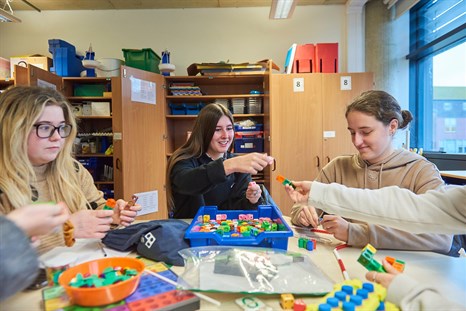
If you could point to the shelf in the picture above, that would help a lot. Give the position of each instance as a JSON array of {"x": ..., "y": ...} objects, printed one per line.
[
  {"x": 88, "y": 98},
  {"x": 93, "y": 117},
  {"x": 88, "y": 80},
  {"x": 217, "y": 80},
  {"x": 186, "y": 116},
  {"x": 211, "y": 97},
  {"x": 93, "y": 155},
  {"x": 103, "y": 182}
]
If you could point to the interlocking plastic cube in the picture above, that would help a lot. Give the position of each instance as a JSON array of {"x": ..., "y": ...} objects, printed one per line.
[
  {"x": 355, "y": 295},
  {"x": 367, "y": 260}
]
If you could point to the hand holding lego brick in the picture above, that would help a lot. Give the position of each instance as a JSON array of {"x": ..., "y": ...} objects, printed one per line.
[
  {"x": 91, "y": 223},
  {"x": 298, "y": 191},
  {"x": 251, "y": 163},
  {"x": 253, "y": 193},
  {"x": 383, "y": 279},
  {"x": 126, "y": 212}
]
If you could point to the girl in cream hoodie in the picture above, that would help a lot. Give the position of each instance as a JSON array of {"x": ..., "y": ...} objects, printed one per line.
[
  {"x": 433, "y": 211},
  {"x": 373, "y": 119}
]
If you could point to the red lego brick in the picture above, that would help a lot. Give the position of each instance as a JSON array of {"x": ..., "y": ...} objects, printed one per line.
[{"x": 299, "y": 305}]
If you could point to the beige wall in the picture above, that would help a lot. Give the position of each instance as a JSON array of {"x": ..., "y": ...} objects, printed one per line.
[{"x": 191, "y": 35}]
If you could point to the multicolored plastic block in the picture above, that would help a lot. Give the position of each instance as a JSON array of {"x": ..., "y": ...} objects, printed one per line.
[
  {"x": 110, "y": 204},
  {"x": 355, "y": 295},
  {"x": 366, "y": 258},
  {"x": 396, "y": 263},
  {"x": 307, "y": 243},
  {"x": 285, "y": 181},
  {"x": 151, "y": 294},
  {"x": 287, "y": 301}
]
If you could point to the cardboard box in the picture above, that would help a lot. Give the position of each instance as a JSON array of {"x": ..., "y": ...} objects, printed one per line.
[
  {"x": 43, "y": 62},
  {"x": 100, "y": 108}
]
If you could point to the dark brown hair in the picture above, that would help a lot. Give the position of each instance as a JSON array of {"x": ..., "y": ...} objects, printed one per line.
[
  {"x": 199, "y": 141},
  {"x": 382, "y": 106}
]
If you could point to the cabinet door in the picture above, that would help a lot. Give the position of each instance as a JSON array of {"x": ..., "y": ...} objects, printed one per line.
[
  {"x": 338, "y": 91},
  {"x": 139, "y": 131},
  {"x": 295, "y": 127},
  {"x": 34, "y": 76}
]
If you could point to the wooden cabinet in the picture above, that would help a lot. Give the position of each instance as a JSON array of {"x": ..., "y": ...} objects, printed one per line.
[
  {"x": 34, "y": 76},
  {"x": 139, "y": 136},
  {"x": 95, "y": 132},
  {"x": 222, "y": 88},
  {"x": 307, "y": 124},
  {"x": 135, "y": 128}
]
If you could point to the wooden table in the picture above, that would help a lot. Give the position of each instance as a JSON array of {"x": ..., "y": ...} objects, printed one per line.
[{"x": 454, "y": 177}]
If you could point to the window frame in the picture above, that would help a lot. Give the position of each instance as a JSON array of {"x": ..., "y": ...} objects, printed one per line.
[{"x": 420, "y": 65}]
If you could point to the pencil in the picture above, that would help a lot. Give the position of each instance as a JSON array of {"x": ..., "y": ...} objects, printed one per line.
[{"x": 102, "y": 249}]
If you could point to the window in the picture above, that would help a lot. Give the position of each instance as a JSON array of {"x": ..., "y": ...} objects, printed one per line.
[{"x": 438, "y": 75}]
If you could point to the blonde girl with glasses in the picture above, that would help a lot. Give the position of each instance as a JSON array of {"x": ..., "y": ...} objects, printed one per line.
[{"x": 37, "y": 130}]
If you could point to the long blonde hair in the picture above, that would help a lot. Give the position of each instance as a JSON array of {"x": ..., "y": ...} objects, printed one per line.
[
  {"x": 198, "y": 143},
  {"x": 20, "y": 108}
]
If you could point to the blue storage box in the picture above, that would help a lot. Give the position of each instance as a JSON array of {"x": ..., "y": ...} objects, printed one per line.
[
  {"x": 246, "y": 145},
  {"x": 193, "y": 109},
  {"x": 91, "y": 165},
  {"x": 273, "y": 239},
  {"x": 66, "y": 63},
  {"x": 178, "y": 109},
  {"x": 253, "y": 128}
]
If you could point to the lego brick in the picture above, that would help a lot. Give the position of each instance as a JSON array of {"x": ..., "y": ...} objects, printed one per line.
[
  {"x": 286, "y": 301},
  {"x": 366, "y": 258}
]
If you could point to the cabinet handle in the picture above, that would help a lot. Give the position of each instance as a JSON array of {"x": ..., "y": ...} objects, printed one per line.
[
  {"x": 118, "y": 164},
  {"x": 328, "y": 159},
  {"x": 318, "y": 161}
]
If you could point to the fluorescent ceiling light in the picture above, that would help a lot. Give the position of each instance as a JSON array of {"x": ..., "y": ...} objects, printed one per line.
[
  {"x": 282, "y": 9},
  {"x": 8, "y": 17}
]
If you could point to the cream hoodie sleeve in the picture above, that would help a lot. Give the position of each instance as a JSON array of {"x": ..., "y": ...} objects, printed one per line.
[
  {"x": 411, "y": 295},
  {"x": 435, "y": 211}
]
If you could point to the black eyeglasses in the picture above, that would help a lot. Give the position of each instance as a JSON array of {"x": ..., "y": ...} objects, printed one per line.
[{"x": 47, "y": 130}]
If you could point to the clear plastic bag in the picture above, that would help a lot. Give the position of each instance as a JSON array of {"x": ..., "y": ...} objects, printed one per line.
[{"x": 251, "y": 270}]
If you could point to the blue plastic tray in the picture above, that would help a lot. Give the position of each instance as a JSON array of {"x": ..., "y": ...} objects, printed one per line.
[{"x": 273, "y": 239}]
